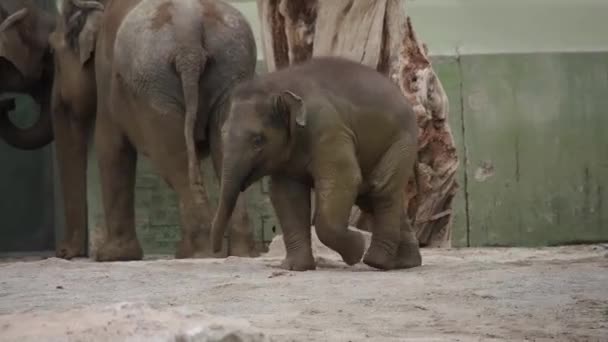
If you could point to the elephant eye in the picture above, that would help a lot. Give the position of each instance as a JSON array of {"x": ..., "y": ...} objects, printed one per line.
[{"x": 258, "y": 140}]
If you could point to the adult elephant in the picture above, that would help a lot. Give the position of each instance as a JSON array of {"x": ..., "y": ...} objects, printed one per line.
[{"x": 141, "y": 65}]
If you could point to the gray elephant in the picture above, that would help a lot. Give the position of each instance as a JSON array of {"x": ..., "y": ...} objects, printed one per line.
[
  {"x": 338, "y": 127},
  {"x": 142, "y": 67}
]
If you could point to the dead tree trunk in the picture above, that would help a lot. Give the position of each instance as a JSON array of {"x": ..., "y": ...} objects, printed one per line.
[{"x": 378, "y": 34}]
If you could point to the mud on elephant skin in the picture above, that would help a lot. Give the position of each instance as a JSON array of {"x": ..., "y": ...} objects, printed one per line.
[
  {"x": 154, "y": 75},
  {"x": 338, "y": 127}
]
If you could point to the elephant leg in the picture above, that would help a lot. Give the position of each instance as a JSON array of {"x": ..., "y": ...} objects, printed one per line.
[
  {"x": 386, "y": 234},
  {"x": 361, "y": 219},
  {"x": 117, "y": 163},
  {"x": 71, "y": 148},
  {"x": 408, "y": 252},
  {"x": 336, "y": 185},
  {"x": 165, "y": 144},
  {"x": 388, "y": 181},
  {"x": 194, "y": 208},
  {"x": 240, "y": 239},
  {"x": 241, "y": 242},
  {"x": 291, "y": 202}
]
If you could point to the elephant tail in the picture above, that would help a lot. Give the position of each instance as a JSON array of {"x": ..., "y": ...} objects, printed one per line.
[{"x": 190, "y": 64}]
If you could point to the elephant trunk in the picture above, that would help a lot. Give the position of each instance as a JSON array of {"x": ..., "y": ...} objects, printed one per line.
[
  {"x": 234, "y": 174},
  {"x": 38, "y": 135}
]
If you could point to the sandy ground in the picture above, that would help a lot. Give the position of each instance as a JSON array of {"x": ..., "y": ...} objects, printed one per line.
[{"x": 467, "y": 295}]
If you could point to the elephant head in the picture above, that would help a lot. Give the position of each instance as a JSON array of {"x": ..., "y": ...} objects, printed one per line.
[
  {"x": 25, "y": 67},
  {"x": 73, "y": 45},
  {"x": 258, "y": 137}
]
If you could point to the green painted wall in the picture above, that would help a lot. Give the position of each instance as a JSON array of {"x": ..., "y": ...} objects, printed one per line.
[
  {"x": 535, "y": 147},
  {"x": 529, "y": 131}
]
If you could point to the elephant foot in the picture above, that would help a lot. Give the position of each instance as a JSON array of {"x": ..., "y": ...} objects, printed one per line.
[
  {"x": 120, "y": 250},
  {"x": 243, "y": 248},
  {"x": 299, "y": 262},
  {"x": 378, "y": 256},
  {"x": 196, "y": 249},
  {"x": 354, "y": 247},
  {"x": 70, "y": 249},
  {"x": 408, "y": 256}
]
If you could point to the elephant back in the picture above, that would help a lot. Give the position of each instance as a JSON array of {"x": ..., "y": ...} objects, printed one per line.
[{"x": 147, "y": 43}]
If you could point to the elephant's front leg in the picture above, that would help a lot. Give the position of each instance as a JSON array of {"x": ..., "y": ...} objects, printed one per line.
[
  {"x": 291, "y": 202},
  {"x": 241, "y": 241},
  {"x": 336, "y": 188},
  {"x": 71, "y": 149},
  {"x": 117, "y": 161}
]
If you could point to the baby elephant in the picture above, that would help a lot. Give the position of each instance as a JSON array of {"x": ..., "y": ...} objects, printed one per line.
[{"x": 338, "y": 127}]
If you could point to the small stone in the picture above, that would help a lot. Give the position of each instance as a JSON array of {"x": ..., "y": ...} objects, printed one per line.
[{"x": 277, "y": 274}]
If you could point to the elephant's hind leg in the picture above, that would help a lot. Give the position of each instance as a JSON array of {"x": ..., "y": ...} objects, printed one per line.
[
  {"x": 408, "y": 252},
  {"x": 166, "y": 147},
  {"x": 117, "y": 162},
  {"x": 387, "y": 183}
]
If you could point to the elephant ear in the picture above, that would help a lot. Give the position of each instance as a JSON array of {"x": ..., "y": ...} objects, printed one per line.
[
  {"x": 88, "y": 36},
  {"x": 82, "y": 23},
  {"x": 82, "y": 30},
  {"x": 292, "y": 106},
  {"x": 12, "y": 46}
]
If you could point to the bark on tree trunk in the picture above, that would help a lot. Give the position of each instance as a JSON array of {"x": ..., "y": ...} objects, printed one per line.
[{"x": 378, "y": 34}]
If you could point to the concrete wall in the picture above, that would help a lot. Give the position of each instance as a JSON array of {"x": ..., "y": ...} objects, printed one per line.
[{"x": 530, "y": 134}]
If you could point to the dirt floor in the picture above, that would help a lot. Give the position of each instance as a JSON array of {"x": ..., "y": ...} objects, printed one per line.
[{"x": 467, "y": 295}]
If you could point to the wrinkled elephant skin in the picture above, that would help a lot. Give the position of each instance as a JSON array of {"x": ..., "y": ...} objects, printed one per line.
[{"x": 338, "y": 127}]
